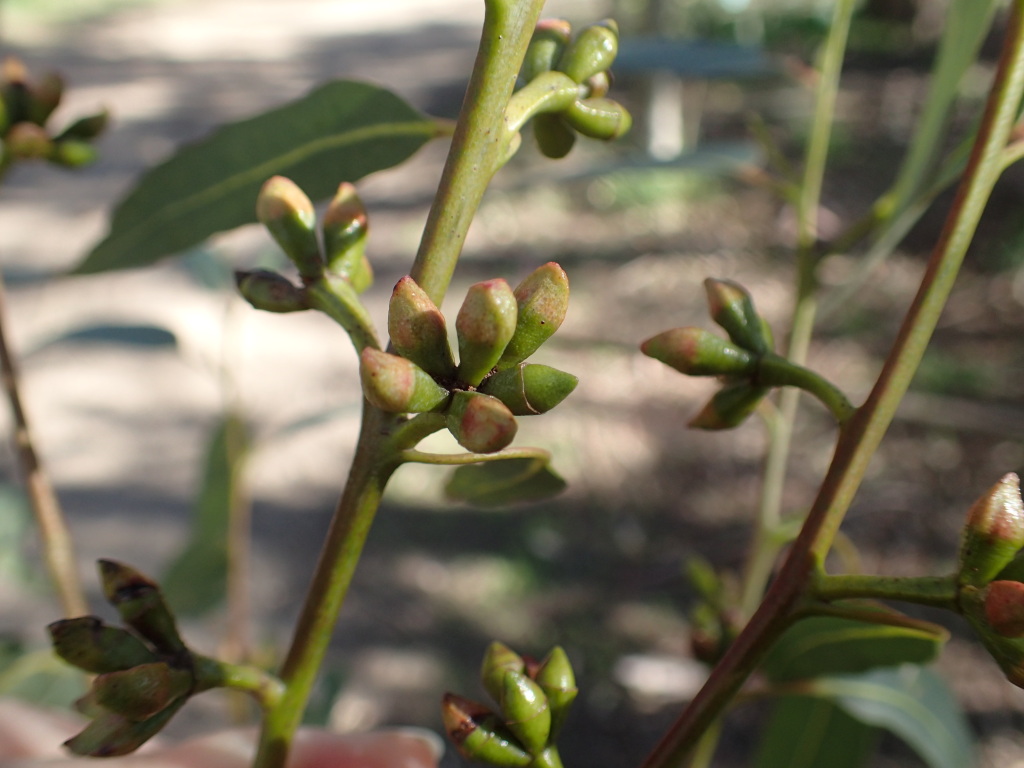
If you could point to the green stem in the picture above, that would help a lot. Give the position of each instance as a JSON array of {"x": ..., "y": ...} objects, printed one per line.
[
  {"x": 336, "y": 298},
  {"x": 211, "y": 673},
  {"x": 763, "y": 552},
  {"x": 412, "y": 456},
  {"x": 860, "y": 438},
  {"x": 776, "y": 371},
  {"x": 332, "y": 577},
  {"x": 936, "y": 591},
  {"x": 549, "y": 92},
  {"x": 480, "y": 141}
]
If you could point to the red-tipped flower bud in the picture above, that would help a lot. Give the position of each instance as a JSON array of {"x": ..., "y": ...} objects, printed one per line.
[
  {"x": 397, "y": 385},
  {"x": 549, "y": 40},
  {"x": 1004, "y": 608},
  {"x": 485, "y": 324},
  {"x": 542, "y": 300},
  {"x": 479, "y": 735},
  {"x": 529, "y": 388},
  {"x": 287, "y": 213},
  {"x": 137, "y": 598},
  {"x": 270, "y": 291},
  {"x": 481, "y": 423},
  {"x": 418, "y": 330},
  {"x": 732, "y": 308},
  {"x": 994, "y": 532},
  {"x": 345, "y": 227},
  {"x": 697, "y": 352},
  {"x": 729, "y": 407}
]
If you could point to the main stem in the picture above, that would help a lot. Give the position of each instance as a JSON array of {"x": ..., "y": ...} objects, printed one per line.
[{"x": 860, "y": 438}]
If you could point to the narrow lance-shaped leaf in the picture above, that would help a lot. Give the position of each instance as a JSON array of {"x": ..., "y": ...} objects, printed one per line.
[
  {"x": 352, "y": 129},
  {"x": 508, "y": 481}
]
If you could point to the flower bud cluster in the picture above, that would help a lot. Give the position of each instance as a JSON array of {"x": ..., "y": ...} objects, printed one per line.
[
  {"x": 533, "y": 700},
  {"x": 25, "y": 110},
  {"x": 144, "y": 673},
  {"x": 585, "y": 60},
  {"x": 497, "y": 329},
  {"x": 697, "y": 352}
]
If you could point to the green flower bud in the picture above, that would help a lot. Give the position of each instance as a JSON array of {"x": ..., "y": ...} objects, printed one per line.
[
  {"x": 112, "y": 734},
  {"x": 498, "y": 660},
  {"x": 732, "y": 308},
  {"x": 28, "y": 141},
  {"x": 137, "y": 598},
  {"x": 556, "y": 678},
  {"x": 44, "y": 96},
  {"x": 479, "y": 735},
  {"x": 397, "y": 385},
  {"x": 418, "y": 331},
  {"x": 529, "y": 388},
  {"x": 549, "y": 758},
  {"x": 729, "y": 407},
  {"x": 345, "y": 228},
  {"x": 555, "y": 139},
  {"x": 92, "y": 646},
  {"x": 593, "y": 51},
  {"x": 546, "y": 46},
  {"x": 697, "y": 352},
  {"x": 288, "y": 215},
  {"x": 525, "y": 709},
  {"x": 1008, "y": 652},
  {"x": 542, "y": 300},
  {"x": 1004, "y": 608},
  {"x": 485, "y": 324},
  {"x": 599, "y": 118},
  {"x": 994, "y": 532},
  {"x": 481, "y": 423},
  {"x": 142, "y": 691},
  {"x": 85, "y": 128},
  {"x": 73, "y": 154},
  {"x": 270, "y": 291}
]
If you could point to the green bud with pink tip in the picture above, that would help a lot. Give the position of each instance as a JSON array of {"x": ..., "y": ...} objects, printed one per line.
[
  {"x": 550, "y": 38},
  {"x": 480, "y": 423},
  {"x": 287, "y": 213},
  {"x": 485, "y": 324},
  {"x": 418, "y": 330},
  {"x": 731, "y": 306},
  {"x": 542, "y": 299},
  {"x": 593, "y": 51},
  {"x": 729, "y": 407},
  {"x": 141, "y": 605},
  {"x": 530, "y": 388},
  {"x": 345, "y": 227},
  {"x": 599, "y": 118},
  {"x": 480, "y": 735},
  {"x": 92, "y": 646},
  {"x": 696, "y": 352},
  {"x": 525, "y": 710},
  {"x": 397, "y": 385},
  {"x": 1004, "y": 608},
  {"x": 993, "y": 534},
  {"x": 270, "y": 291}
]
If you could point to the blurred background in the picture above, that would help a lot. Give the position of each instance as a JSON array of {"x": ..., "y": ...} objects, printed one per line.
[{"x": 127, "y": 374}]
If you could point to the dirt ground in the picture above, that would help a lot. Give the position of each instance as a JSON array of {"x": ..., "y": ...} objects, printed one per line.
[{"x": 598, "y": 570}]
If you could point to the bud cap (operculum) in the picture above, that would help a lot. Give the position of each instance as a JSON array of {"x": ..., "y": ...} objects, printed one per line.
[
  {"x": 530, "y": 388},
  {"x": 397, "y": 385},
  {"x": 287, "y": 213},
  {"x": 696, "y": 352},
  {"x": 485, "y": 324},
  {"x": 481, "y": 423},
  {"x": 558, "y": 681},
  {"x": 499, "y": 659},
  {"x": 550, "y": 38},
  {"x": 731, "y": 307},
  {"x": 542, "y": 300},
  {"x": 729, "y": 406},
  {"x": 270, "y": 291},
  {"x": 526, "y": 711},
  {"x": 418, "y": 330},
  {"x": 1004, "y": 608},
  {"x": 593, "y": 51},
  {"x": 994, "y": 532},
  {"x": 345, "y": 227}
]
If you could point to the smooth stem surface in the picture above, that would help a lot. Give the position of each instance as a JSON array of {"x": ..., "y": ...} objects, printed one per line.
[
  {"x": 479, "y": 144},
  {"x": 936, "y": 591},
  {"x": 763, "y": 551},
  {"x": 333, "y": 575},
  {"x": 58, "y": 550},
  {"x": 862, "y": 435}
]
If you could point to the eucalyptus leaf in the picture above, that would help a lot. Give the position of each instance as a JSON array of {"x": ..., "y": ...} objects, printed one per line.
[
  {"x": 122, "y": 334},
  {"x": 341, "y": 131},
  {"x": 507, "y": 481},
  {"x": 814, "y": 733},
  {"x": 913, "y": 703},
  {"x": 197, "y": 580},
  {"x": 828, "y": 645}
]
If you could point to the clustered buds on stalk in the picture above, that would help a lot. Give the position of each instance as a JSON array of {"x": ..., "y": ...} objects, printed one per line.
[
  {"x": 497, "y": 329},
  {"x": 533, "y": 700},
  {"x": 585, "y": 60},
  {"x": 144, "y": 673},
  {"x": 25, "y": 109}
]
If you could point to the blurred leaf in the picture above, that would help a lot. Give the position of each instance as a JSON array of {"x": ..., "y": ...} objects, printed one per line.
[
  {"x": 911, "y": 702},
  {"x": 341, "y": 131},
  {"x": 15, "y": 522},
  {"x": 814, "y": 733},
  {"x": 140, "y": 335},
  {"x": 39, "y": 677},
  {"x": 197, "y": 580},
  {"x": 827, "y": 645},
  {"x": 508, "y": 481}
]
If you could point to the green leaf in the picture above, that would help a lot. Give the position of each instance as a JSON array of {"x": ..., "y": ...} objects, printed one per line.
[
  {"x": 828, "y": 645},
  {"x": 911, "y": 702},
  {"x": 197, "y": 580},
  {"x": 138, "y": 335},
  {"x": 341, "y": 131},
  {"x": 814, "y": 733},
  {"x": 506, "y": 481},
  {"x": 39, "y": 677}
]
